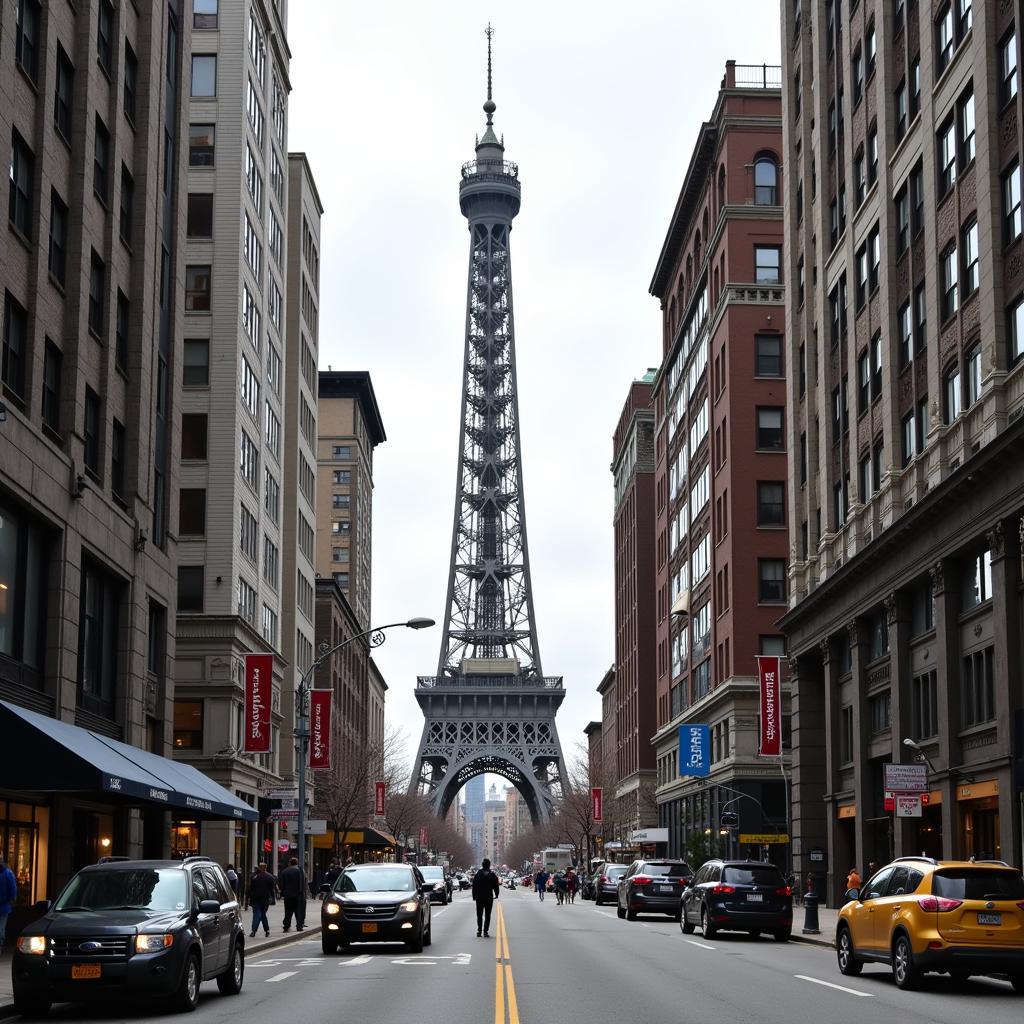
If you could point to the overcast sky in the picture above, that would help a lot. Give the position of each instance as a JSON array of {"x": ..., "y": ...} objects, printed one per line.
[{"x": 600, "y": 104}]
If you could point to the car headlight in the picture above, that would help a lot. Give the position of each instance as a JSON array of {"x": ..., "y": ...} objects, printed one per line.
[
  {"x": 34, "y": 944},
  {"x": 152, "y": 943},
  {"x": 439, "y": 886},
  {"x": 332, "y": 908},
  {"x": 409, "y": 906}
]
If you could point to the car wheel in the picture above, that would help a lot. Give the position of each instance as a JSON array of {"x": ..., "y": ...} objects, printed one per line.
[
  {"x": 329, "y": 944},
  {"x": 620, "y": 912},
  {"x": 230, "y": 982},
  {"x": 677, "y": 915},
  {"x": 904, "y": 973},
  {"x": 416, "y": 942},
  {"x": 31, "y": 1008},
  {"x": 781, "y": 934},
  {"x": 630, "y": 914},
  {"x": 960, "y": 976},
  {"x": 428, "y": 935},
  {"x": 685, "y": 926},
  {"x": 848, "y": 962},
  {"x": 709, "y": 930},
  {"x": 186, "y": 999},
  {"x": 598, "y": 901},
  {"x": 1017, "y": 981}
]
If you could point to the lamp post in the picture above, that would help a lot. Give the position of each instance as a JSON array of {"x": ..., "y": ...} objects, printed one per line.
[
  {"x": 377, "y": 637},
  {"x": 908, "y": 742}
]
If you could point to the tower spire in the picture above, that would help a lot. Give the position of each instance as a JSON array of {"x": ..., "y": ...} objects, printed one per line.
[{"x": 490, "y": 106}]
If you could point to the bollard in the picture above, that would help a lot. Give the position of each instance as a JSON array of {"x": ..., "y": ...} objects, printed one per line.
[{"x": 811, "y": 914}]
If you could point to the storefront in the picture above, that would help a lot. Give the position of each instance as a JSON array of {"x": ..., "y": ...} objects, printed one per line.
[
  {"x": 978, "y": 803},
  {"x": 361, "y": 846}
]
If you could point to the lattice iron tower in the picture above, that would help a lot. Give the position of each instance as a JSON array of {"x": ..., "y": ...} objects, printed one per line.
[{"x": 489, "y": 708}]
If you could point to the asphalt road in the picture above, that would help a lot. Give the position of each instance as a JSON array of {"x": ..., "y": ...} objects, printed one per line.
[{"x": 544, "y": 964}]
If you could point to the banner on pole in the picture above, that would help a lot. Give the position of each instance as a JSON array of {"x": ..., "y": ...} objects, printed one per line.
[
  {"x": 597, "y": 799},
  {"x": 771, "y": 705},
  {"x": 694, "y": 750},
  {"x": 379, "y": 791},
  {"x": 259, "y": 681},
  {"x": 320, "y": 729},
  {"x": 423, "y": 835}
]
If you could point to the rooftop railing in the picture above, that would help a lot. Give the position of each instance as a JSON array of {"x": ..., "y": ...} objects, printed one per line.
[
  {"x": 758, "y": 76},
  {"x": 490, "y": 682}
]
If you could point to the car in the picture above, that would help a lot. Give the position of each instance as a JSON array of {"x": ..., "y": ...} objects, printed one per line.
[
  {"x": 918, "y": 914},
  {"x": 464, "y": 882},
  {"x": 376, "y": 903},
  {"x": 606, "y": 881},
  {"x": 738, "y": 895},
  {"x": 147, "y": 929},
  {"x": 439, "y": 879},
  {"x": 652, "y": 886}
]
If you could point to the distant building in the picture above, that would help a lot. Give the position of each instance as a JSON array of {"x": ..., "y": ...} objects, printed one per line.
[{"x": 494, "y": 828}]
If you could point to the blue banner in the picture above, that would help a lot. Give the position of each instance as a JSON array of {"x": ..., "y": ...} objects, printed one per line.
[{"x": 694, "y": 750}]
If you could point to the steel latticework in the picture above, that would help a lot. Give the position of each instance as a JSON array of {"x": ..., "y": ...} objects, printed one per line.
[{"x": 490, "y": 708}]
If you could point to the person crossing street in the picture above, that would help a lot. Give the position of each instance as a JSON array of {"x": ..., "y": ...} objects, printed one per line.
[
  {"x": 540, "y": 883},
  {"x": 486, "y": 887}
]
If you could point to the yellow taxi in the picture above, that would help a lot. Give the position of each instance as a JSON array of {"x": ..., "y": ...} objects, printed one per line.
[{"x": 918, "y": 914}]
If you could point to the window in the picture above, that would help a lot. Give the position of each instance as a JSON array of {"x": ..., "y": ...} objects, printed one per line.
[
  {"x": 1011, "y": 204},
  {"x": 248, "y": 533},
  {"x": 857, "y": 70},
  {"x": 803, "y": 458},
  {"x": 201, "y": 144},
  {"x": 972, "y": 364},
  {"x": 863, "y": 382},
  {"x": 1008, "y": 67},
  {"x": 98, "y": 647},
  {"x": 91, "y": 428},
  {"x": 278, "y": 100},
  {"x": 846, "y": 735},
  {"x": 192, "y": 511},
  {"x": 274, "y": 303},
  {"x": 905, "y": 333},
  {"x": 101, "y": 162},
  {"x": 200, "y": 215},
  {"x": 127, "y": 207},
  {"x": 23, "y": 166},
  {"x": 204, "y": 74},
  {"x": 271, "y": 561},
  {"x": 951, "y": 387},
  {"x": 915, "y": 87},
  {"x": 341, "y": 451},
  {"x": 63, "y": 94},
  {"x": 269, "y": 629},
  {"x": 978, "y": 688},
  {"x": 193, "y": 435},
  {"x": 768, "y": 355},
  {"x": 341, "y": 578},
  {"x": 1015, "y": 332},
  {"x": 250, "y": 390},
  {"x": 965, "y": 118},
  {"x": 188, "y": 714},
  {"x": 874, "y": 258},
  {"x": 274, "y": 369},
  {"x": 342, "y": 476},
  {"x": 249, "y": 461},
  {"x": 769, "y": 429},
  {"x": 771, "y": 508},
  {"x": 832, "y": 133},
  {"x": 271, "y": 495},
  {"x": 977, "y": 580},
  {"x": 204, "y": 15},
  {"x": 97, "y": 289},
  {"x": 917, "y": 200},
  {"x": 52, "y": 362},
  {"x": 947, "y": 156},
  {"x": 840, "y": 501},
  {"x": 909, "y": 434},
  {"x": 118, "y": 457},
  {"x": 104, "y": 35},
  {"x": 876, "y": 367},
  {"x": 58, "y": 255},
  {"x": 257, "y": 48},
  {"x": 195, "y": 371},
  {"x": 771, "y": 580},
  {"x": 944, "y": 39},
  {"x": 880, "y": 712},
  {"x": 860, "y": 177},
  {"x": 920, "y": 319},
  {"x": 766, "y": 181},
  {"x": 924, "y": 704},
  {"x": 902, "y": 204},
  {"x": 27, "y": 37},
  {"x": 802, "y": 371},
  {"x": 870, "y": 50},
  {"x": 131, "y": 81},
  {"x": 969, "y": 242},
  {"x": 251, "y": 319},
  {"x": 272, "y": 430},
  {"x": 276, "y": 177},
  {"x": 872, "y": 156},
  {"x": 948, "y": 281},
  {"x": 965, "y": 18},
  {"x": 255, "y": 112},
  {"x": 253, "y": 179},
  {"x": 197, "y": 289},
  {"x": 862, "y": 276},
  {"x": 766, "y": 264},
  {"x": 246, "y": 601},
  {"x": 121, "y": 321},
  {"x": 900, "y": 109},
  {"x": 253, "y": 250},
  {"x": 922, "y": 423}
]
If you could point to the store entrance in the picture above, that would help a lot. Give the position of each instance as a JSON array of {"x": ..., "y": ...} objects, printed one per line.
[{"x": 981, "y": 828}]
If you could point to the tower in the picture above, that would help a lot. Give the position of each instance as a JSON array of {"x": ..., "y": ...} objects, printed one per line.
[{"x": 489, "y": 708}]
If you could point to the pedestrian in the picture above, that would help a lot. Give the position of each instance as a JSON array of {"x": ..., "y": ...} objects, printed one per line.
[
  {"x": 540, "y": 881},
  {"x": 486, "y": 887},
  {"x": 8, "y": 896},
  {"x": 292, "y": 883},
  {"x": 261, "y": 895},
  {"x": 332, "y": 872},
  {"x": 232, "y": 878},
  {"x": 572, "y": 883},
  {"x": 560, "y": 887},
  {"x": 872, "y": 868},
  {"x": 853, "y": 880}
]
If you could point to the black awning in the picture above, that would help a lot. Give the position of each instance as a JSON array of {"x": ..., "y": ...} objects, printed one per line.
[{"x": 46, "y": 755}]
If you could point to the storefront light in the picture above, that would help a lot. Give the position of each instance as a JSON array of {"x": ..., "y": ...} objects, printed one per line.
[{"x": 105, "y": 842}]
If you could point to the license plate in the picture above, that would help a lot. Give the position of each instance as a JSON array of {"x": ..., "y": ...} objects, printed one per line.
[
  {"x": 755, "y": 897},
  {"x": 368, "y": 928},
  {"x": 79, "y": 971},
  {"x": 665, "y": 888},
  {"x": 990, "y": 919}
]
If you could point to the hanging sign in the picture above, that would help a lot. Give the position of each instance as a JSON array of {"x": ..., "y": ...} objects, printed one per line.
[
  {"x": 771, "y": 706},
  {"x": 694, "y": 750},
  {"x": 320, "y": 729},
  {"x": 597, "y": 800},
  {"x": 379, "y": 791},
  {"x": 259, "y": 680}
]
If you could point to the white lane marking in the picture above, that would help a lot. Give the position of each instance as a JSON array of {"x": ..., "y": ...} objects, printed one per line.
[
  {"x": 436, "y": 913},
  {"x": 281, "y": 976},
  {"x": 356, "y": 961},
  {"x": 829, "y": 984},
  {"x": 703, "y": 945}
]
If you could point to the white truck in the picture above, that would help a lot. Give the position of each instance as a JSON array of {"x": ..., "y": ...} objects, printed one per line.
[{"x": 556, "y": 859}]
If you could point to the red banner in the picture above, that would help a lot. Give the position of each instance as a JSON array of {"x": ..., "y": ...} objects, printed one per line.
[
  {"x": 768, "y": 667},
  {"x": 597, "y": 801},
  {"x": 320, "y": 729},
  {"x": 259, "y": 682},
  {"x": 379, "y": 791},
  {"x": 423, "y": 836}
]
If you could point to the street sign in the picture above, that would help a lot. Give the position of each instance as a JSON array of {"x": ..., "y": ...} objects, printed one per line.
[
  {"x": 287, "y": 793},
  {"x": 908, "y": 805},
  {"x": 906, "y": 778},
  {"x": 763, "y": 838},
  {"x": 278, "y": 814},
  {"x": 816, "y": 855},
  {"x": 649, "y": 835},
  {"x": 314, "y": 827}
]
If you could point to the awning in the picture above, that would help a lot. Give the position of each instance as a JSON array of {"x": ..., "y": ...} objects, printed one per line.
[
  {"x": 370, "y": 837},
  {"x": 46, "y": 755}
]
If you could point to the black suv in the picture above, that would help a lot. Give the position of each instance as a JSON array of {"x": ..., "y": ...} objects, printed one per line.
[
  {"x": 652, "y": 886},
  {"x": 739, "y": 895},
  {"x": 133, "y": 928}
]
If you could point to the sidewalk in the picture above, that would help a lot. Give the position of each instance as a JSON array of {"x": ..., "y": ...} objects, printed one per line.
[
  {"x": 827, "y": 919},
  {"x": 253, "y": 947}
]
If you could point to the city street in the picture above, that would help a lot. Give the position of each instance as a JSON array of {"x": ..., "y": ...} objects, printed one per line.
[{"x": 575, "y": 963}]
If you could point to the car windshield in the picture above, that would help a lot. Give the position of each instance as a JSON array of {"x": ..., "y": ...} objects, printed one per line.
[
  {"x": 125, "y": 889},
  {"x": 752, "y": 876},
  {"x": 978, "y": 884},
  {"x": 432, "y": 874},
  {"x": 614, "y": 870},
  {"x": 377, "y": 879},
  {"x": 671, "y": 870}
]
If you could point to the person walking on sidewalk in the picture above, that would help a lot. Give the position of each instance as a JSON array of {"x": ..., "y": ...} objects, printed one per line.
[
  {"x": 261, "y": 895},
  {"x": 853, "y": 880},
  {"x": 8, "y": 895},
  {"x": 292, "y": 883},
  {"x": 485, "y": 891}
]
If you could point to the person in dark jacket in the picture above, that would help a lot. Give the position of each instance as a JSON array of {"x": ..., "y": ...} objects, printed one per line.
[
  {"x": 261, "y": 894},
  {"x": 292, "y": 883},
  {"x": 485, "y": 890}
]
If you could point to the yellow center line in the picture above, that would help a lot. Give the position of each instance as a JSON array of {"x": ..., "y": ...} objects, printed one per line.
[{"x": 505, "y": 989}]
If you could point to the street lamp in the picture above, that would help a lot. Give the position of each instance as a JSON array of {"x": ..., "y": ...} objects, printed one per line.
[
  {"x": 377, "y": 637},
  {"x": 908, "y": 742}
]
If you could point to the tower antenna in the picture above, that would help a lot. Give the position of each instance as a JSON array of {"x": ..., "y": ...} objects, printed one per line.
[{"x": 489, "y": 106}]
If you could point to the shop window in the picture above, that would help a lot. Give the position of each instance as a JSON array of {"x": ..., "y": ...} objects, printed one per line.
[{"x": 188, "y": 725}]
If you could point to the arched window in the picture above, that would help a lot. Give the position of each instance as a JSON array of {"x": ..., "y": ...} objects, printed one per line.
[
  {"x": 704, "y": 222},
  {"x": 714, "y": 297},
  {"x": 689, "y": 273},
  {"x": 766, "y": 180},
  {"x": 696, "y": 248},
  {"x": 672, "y": 316},
  {"x": 721, "y": 188}
]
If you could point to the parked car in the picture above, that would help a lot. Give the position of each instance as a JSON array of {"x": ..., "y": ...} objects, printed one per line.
[
  {"x": 587, "y": 891},
  {"x": 438, "y": 877},
  {"x": 149, "y": 929},
  {"x": 606, "y": 881},
  {"x": 918, "y": 914},
  {"x": 652, "y": 887},
  {"x": 377, "y": 903},
  {"x": 738, "y": 895}
]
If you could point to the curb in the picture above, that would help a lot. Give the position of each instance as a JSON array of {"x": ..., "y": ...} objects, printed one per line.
[{"x": 813, "y": 940}]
